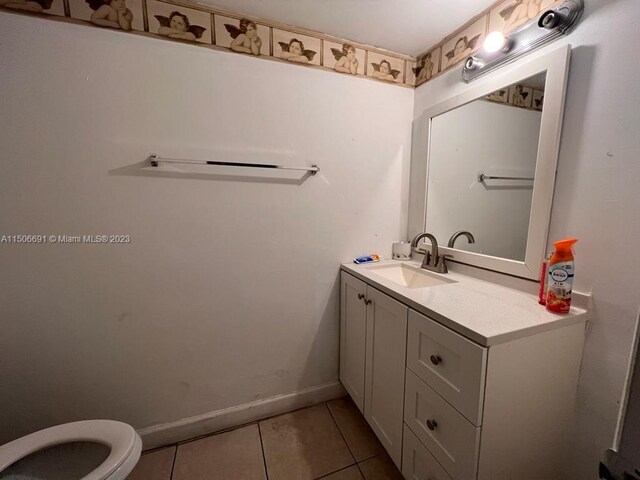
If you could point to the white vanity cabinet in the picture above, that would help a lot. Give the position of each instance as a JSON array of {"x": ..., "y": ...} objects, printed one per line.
[
  {"x": 373, "y": 333},
  {"x": 448, "y": 408}
]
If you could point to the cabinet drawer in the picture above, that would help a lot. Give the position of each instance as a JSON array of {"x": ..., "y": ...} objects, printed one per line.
[
  {"x": 450, "y": 437},
  {"x": 449, "y": 363},
  {"x": 417, "y": 462}
]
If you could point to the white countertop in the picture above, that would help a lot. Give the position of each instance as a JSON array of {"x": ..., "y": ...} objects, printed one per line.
[{"x": 484, "y": 312}]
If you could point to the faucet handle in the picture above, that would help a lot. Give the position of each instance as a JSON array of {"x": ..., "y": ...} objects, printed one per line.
[
  {"x": 442, "y": 263},
  {"x": 426, "y": 260}
]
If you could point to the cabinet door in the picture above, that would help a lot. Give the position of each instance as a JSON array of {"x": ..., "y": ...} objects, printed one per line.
[
  {"x": 353, "y": 321},
  {"x": 386, "y": 352}
]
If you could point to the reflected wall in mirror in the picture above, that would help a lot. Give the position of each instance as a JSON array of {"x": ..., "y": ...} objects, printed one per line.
[{"x": 482, "y": 163}]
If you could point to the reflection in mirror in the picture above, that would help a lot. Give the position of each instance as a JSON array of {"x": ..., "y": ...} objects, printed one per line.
[{"x": 482, "y": 161}]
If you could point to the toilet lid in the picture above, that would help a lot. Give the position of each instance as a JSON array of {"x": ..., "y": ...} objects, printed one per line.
[{"x": 117, "y": 436}]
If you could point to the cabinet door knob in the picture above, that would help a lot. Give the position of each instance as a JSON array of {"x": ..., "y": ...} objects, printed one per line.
[
  {"x": 360, "y": 296},
  {"x": 432, "y": 424},
  {"x": 367, "y": 302},
  {"x": 435, "y": 359}
]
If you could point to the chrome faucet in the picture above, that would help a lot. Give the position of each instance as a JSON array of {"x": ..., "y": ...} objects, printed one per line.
[
  {"x": 432, "y": 261},
  {"x": 459, "y": 233}
]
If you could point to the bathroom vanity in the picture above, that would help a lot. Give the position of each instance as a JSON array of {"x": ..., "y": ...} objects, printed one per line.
[{"x": 458, "y": 377}]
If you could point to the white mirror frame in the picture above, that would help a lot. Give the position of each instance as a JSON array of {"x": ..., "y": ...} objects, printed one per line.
[{"x": 555, "y": 64}]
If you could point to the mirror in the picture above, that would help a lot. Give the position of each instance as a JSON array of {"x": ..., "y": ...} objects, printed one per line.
[
  {"x": 484, "y": 162},
  {"x": 482, "y": 168}
]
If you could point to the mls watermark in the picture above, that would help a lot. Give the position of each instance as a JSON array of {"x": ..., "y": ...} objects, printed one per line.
[{"x": 63, "y": 239}]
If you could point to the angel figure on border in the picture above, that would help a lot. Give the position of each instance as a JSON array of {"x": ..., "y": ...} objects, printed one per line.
[
  {"x": 383, "y": 71},
  {"x": 36, "y": 6},
  {"x": 519, "y": 98},
  {"x": 519, "y": 12},
  {"x": 111, "y": 14},
  {"x": 177, "y": 25},
  {"x": 294, "y": 51},
  {"x": 245, "y": 37},
  {"x": 538, "y": 100},
  {"x": 463, "y": 47},
  {"x": 346, "y": 59},
  {"x": 424, "y": 72},
  {"x": 501, "y": 96}
]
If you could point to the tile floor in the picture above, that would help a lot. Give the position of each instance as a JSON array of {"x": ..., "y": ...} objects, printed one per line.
[{"x": 329, "y": 441}]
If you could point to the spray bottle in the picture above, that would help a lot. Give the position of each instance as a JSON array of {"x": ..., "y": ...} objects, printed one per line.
[{"x": 560, "y": 277}]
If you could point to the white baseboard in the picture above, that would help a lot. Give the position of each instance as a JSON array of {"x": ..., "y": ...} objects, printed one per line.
[{"x": 173, "y": 432}]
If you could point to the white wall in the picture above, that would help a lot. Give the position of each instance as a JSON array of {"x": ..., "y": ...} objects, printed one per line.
[
  {"x": 597, "y": 199},
  {"x": 228, "y": 292},
  {"x": 494, "y": 139}
]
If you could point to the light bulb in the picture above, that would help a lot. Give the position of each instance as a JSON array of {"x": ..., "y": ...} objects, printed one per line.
[{"x": 495, "y": 42}]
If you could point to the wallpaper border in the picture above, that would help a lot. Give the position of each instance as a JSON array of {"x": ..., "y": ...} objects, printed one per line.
[
  {"x": 204, "y": 26},
  {"x": 227, "y": 31}
]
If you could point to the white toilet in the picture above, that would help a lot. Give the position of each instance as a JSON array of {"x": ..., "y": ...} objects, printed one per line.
[{"x": 87, "y": 450}]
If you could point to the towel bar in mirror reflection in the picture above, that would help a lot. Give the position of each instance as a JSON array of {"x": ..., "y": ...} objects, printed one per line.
[{"x": 482, "y": 177}]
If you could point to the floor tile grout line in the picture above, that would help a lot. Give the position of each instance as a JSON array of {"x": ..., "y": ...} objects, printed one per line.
[
  {"x": 341, "y": 435},
  {"x": 157, "y": 449},
  {"x": 264, "y": 457},
  {"x": 173, "y": 464},
  {"x": 357, "y": 463},
  {"x": 369, "y": 458},
  {"x": 336, "y": 471}
]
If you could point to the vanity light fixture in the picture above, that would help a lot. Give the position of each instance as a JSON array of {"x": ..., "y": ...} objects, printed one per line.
[
  {"x": 499, "y": 50},
  {"x": 496, "y": 42},
  {"x": 473, "y": 63}
]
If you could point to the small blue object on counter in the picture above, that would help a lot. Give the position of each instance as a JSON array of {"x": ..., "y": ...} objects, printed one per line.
[{"x": 374, "y": 257}]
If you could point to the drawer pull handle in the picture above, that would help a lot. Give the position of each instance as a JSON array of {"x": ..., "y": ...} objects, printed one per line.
[
  {"x": 367, "y": 302},
  {"x": 435, "y": 359},
  {"x": 360, "y": 296},
  {"x": 432, "y": 424}
]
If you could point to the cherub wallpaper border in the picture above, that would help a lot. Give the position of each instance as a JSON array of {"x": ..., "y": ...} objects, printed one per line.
[
  {"x": 209, "y": 27},
  {"x": 204, "y": 26},
  {"x": 518, "y": 96}
]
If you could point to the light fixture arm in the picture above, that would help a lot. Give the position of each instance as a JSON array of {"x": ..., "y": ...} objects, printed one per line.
[{"x": 550, "y": 25}]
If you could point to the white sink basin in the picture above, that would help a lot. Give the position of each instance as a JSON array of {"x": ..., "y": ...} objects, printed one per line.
[{"x": 410, "y": 277}]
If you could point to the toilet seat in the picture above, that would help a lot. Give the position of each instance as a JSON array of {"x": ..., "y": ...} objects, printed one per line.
[{"x": 120, "y": 438}]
